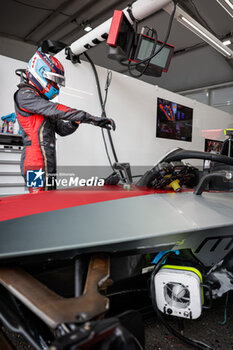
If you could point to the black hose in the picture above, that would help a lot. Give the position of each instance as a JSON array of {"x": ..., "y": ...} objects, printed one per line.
[
  {"x": 127, "y": 291},
  {"x": 106, "y": 149},
  {"x": 148, "y": 62},
  {"x": 103, "y": 112},
  {"x": 181, "y": 154},
  {"x": 107, "y": 84},
  {"x": 194, "y": 343}
]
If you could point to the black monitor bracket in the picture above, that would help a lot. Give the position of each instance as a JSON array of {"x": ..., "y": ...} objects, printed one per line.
[
  {"x": 51, "y": 46},
  {"x": 71, "y": 56}
]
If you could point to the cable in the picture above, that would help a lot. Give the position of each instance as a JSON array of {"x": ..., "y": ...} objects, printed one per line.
[
  {"x": 164, "y": 42},
  {"x": 136, "y": 176},
  {"x": 104, "y": 115},
  {"x": 154, "y": 32},
  {"x": 195, "y": 343},
  {"x": 106, "y": 149},
  {"x": 154, "y": 48},
  {"x": 225, "y": 310},
  {"x": 107, "y": 84},
  {"x": 127, "y": 291}
]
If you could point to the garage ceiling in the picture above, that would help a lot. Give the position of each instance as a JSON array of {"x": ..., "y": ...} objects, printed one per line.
[{"x": 25, "y": 23}]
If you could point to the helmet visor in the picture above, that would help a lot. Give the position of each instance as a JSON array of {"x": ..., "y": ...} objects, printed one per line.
[{"x": 56, "y": 78}]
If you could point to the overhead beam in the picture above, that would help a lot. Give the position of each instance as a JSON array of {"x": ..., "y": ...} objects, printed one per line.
[
  {"x": 17, "y": 38},
  {"x": 61, "y": 26},
  {"x": 206, "y": 87},
  {"x": 140, "y": 9},
  {"x": 91, "y": 20},
  {"x": 49, "y": 18}
]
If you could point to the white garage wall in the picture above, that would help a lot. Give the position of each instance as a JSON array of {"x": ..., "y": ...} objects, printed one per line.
[
  {"x": 9, "y": 82},
  {"x": 132, "y": 104}
]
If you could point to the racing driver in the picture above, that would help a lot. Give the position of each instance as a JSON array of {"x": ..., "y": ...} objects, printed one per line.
[{"x": 40, "y": 119}]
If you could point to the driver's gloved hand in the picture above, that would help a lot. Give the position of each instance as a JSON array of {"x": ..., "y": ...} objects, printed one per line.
[{"x": 97, "y": 121}]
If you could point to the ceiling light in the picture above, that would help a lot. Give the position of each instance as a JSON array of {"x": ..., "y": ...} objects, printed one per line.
[
  {"x": 198, "y": 29},
  {"x": 226, "y": 42},
  {"x": 87, "y": 28},
  {"x": 205, "y": 35},
  {"x": 227, "y": 5}
]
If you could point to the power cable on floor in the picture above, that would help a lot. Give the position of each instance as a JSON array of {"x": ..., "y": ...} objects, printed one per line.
[{"x": 225, "y": 311}]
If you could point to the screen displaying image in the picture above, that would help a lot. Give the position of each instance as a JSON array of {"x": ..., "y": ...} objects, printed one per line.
[
  {"x": 174, "y": 121},
  {"x": 162, "y": 59},
  {"x": 212, "y": 146}
]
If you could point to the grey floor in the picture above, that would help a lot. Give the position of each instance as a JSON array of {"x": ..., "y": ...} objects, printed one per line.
[{"x": 207, "y": 329}]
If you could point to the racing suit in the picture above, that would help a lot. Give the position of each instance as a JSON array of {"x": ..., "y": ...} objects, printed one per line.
[{"x": 39, "y": 120}]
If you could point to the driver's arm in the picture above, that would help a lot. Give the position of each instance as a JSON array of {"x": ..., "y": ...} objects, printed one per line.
[
  {"x": 32, "y": 102},
  {"x": 64, "y": 127}
]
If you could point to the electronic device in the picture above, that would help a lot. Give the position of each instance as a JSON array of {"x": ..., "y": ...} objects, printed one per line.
[
  {"x": 145, "y": 48},
  {"x": 120, "y": 37},
  {"x": 227, "y": 147},
  {"x": 124, "y": 44},
  {"x": 174, "y": 121},
  {"x": 228, "y": 132},
  {"x": 178, "y": 291},
  {"x": 212, "y": 146}
]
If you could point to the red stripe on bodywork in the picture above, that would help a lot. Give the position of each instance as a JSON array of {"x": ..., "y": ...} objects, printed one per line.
[{"x": 30, "y": 204}]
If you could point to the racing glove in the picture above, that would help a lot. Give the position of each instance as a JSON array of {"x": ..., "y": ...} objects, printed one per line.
[{"x": 97, "y": 121}]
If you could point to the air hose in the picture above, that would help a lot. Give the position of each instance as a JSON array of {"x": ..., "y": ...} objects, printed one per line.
[
  {"x": 104, "y": 115},
  {"x": 102, "y": 107}
]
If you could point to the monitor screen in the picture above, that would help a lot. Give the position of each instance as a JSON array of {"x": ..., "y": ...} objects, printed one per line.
[
  {"x": 174, "y": 121},
  {"x": 144, "y": 50},
  {"x": 212, "y": 146}
]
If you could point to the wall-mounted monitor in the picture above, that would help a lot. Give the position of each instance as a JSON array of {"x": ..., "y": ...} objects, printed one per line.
[
  {"x": 174, "y": 121},
  {"x": 212, "y": 146}
]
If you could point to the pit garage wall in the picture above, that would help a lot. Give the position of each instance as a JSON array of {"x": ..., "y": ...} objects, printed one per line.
[
  {"x": 11, "y": 181},
  {"x": 9, "y": 82},
  {"x": 133, "y": 105}
]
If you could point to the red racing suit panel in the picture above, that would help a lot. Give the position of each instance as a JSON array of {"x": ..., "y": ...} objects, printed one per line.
[
  {"x": 33, "y": 156},
  {"x": 39, "y": 120}
]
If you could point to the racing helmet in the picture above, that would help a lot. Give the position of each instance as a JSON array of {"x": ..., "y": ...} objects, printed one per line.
[{"x": 46, "y": 73}]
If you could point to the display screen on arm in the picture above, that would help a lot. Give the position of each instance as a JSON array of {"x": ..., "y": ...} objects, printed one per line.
[
  {"x": 146, "y": 50},
  {"x": 162, "y": 59}
]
